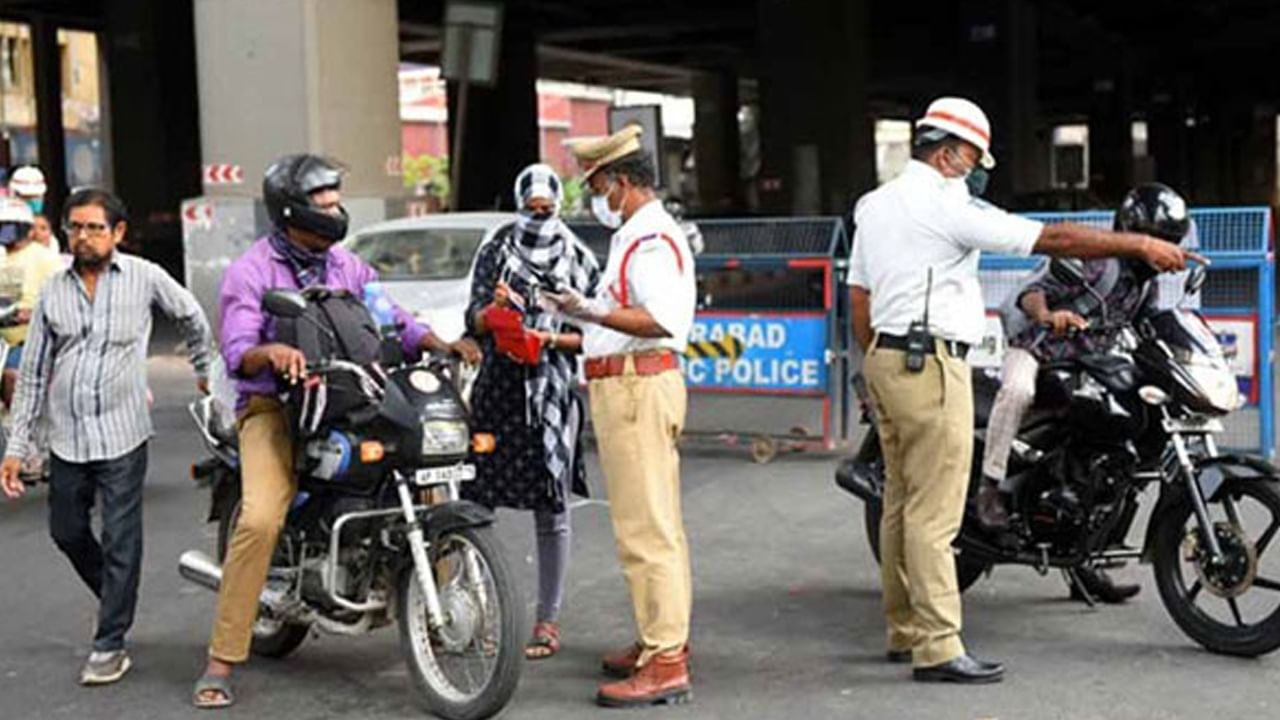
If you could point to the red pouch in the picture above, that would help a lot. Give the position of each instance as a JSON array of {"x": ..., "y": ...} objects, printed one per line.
[{"x": 511, "y": 336}]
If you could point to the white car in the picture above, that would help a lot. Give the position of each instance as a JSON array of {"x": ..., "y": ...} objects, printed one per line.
[{"x": 426, "y": 263}]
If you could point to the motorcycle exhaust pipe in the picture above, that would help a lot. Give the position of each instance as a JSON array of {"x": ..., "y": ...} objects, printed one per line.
[{"x": 200, "y": 569}]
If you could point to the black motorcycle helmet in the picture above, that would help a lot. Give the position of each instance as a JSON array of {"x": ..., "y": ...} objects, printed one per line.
[
  {"x": 287, "y": 187},
  {"x": 1154, "y": 209}
]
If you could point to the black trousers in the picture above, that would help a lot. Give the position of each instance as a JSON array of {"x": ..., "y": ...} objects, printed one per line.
[{"x": 111, "y": 569}]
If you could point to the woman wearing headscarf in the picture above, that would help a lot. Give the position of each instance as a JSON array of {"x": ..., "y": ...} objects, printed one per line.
[{"x": 531, "y": 407}]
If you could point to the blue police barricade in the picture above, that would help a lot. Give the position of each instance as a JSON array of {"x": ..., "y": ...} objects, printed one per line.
[{"x": 767, "y": 359}]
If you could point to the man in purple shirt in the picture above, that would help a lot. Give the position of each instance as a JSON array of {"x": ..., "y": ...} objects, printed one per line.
[{"x": 301, "y": 193}]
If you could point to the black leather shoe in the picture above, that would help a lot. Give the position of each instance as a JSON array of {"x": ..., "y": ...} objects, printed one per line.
[
  {"x": 898, "y": 656},
  {"x": 964, "y": 669},
  {"x": 1102, "y": 587}
]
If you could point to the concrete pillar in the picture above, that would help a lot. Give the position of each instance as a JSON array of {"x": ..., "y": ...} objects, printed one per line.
[
  {"x": 50, "y": 136},
  {"x": 716, "y": 143},
  {"x": 817, "y": 134},
  {"x": 501, "y": 135},
  {"x": 786, "y": 61},
  {"x": 1029, "y": 144},
  {"x": 1169, "y": 141},
  {"x": 1234, "y": 153},
  {"x": 149, "y": 83},
  {"x": 1255, "y": 176},
  {"x": 1111, "y": 133},
  {"x": 301, "y": 76},
  {"x": 996, "y": 68},
  {"x": 1212, "y": 156}
]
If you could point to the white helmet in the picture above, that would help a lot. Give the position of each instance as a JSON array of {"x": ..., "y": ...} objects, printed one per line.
[
  {"x": 963, "y": 119},
  {"x": 27, "y": 182},
  {"x": 15, "y": 220}
]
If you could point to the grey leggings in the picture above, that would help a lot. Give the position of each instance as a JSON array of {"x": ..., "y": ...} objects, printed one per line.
[{"x": 553, "y": 535}]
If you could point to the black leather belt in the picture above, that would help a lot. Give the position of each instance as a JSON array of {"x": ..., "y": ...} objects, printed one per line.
[{"x": 957, "y": 349}]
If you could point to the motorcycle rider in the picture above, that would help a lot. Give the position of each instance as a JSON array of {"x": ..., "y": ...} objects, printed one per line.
[
  {"x": 301, "y": 193},
  {"x": 25, "y": 266},
  {"x": 28, "y": 185},
  {"x": 1039, "y": 318}
]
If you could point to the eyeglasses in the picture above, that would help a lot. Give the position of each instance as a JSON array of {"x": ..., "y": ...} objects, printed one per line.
[{"x": 92, "y": 229}]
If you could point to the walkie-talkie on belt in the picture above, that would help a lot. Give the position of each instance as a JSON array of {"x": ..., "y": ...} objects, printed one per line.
[{"x": 918, "y": 334}]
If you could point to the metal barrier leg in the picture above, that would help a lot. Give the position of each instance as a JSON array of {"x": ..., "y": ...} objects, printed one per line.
[{"x": 1266, "y": 363}]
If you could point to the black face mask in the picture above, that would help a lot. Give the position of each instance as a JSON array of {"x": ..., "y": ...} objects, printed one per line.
[{"x": 977, "y": 180}]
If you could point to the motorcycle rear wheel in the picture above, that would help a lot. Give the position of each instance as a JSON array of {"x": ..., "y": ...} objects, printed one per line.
[
  {"x": 968, "y": 569},
  {"x": 271, "y": 638},
  {"x": 480, "y": 600}
]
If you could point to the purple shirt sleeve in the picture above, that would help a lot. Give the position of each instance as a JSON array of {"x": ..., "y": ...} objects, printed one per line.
[
  {"x": 242, "y": 319},
  {"x": 412, "y": 331}
]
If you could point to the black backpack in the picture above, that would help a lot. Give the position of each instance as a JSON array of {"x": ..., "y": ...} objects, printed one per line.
[{"x": 335, "y": 326}]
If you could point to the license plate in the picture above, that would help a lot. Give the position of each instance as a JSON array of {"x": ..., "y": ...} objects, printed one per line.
[
  {"x": 1193, "y": 425},
  {"x": 443, "y": 475}
]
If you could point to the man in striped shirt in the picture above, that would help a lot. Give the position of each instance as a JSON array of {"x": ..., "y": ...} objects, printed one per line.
[{"x": 84, "y": 369}]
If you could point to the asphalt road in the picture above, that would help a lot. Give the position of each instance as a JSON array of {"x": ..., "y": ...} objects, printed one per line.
[{"x": 786, "y": 620}]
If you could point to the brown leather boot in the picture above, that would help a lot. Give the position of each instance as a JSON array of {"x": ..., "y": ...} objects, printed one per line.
[
  {"x": 663, "y": 680},
  {"x": 991, "y": 511},
  {"x": 621, "y": 663}
]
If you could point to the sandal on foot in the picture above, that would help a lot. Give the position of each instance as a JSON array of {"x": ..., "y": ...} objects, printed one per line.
[
  {"x": 209, "y": 685},
  {"x": 545, "y": 642}
]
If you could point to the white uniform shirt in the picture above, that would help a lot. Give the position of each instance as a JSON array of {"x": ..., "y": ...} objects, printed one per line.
[
  {"x": 659, "y": 278},
  {"x": 920, "y": 221}
]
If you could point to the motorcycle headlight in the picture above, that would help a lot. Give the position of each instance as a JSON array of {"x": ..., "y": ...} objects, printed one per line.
[
  {"x": 1217, "y": 384},
  {"x": 445, "y": 437}
]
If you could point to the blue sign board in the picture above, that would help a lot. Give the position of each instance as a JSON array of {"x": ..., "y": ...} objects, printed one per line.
[{"x": 772, "y": 353}]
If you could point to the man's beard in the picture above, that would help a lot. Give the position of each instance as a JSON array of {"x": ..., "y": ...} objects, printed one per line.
[{"x": 92, "y": 262}]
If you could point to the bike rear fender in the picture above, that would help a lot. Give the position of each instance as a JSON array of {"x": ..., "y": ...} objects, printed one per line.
[{"x": 857, "y": 476}]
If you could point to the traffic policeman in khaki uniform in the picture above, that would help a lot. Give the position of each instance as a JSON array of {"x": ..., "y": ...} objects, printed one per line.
[
  {"x": 917, "y": 309},
  {"x": 635, "y": 331}
]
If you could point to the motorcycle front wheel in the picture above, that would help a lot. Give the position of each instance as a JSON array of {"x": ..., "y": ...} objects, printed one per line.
[
  {"x": 1232, "y": 606},
  {"x": 469, "y": 668}
]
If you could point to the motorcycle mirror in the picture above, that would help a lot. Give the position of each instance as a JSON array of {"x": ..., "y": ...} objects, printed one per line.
[
  {"x": 284, "y": 303},
  {"x": 1069, "y": 271},
  {"x": 1195, "y": 279}
]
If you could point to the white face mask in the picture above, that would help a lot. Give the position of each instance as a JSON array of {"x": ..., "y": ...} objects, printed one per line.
[{"x": 606, "y": 215}]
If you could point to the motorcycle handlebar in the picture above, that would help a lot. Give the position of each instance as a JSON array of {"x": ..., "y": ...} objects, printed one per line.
[
  {"x": 367, "y": 384},
  {"x": 1092, "y": 329}
]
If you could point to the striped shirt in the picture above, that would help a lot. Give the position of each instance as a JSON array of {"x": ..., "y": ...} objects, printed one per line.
[{"x": 84, "y": 364}]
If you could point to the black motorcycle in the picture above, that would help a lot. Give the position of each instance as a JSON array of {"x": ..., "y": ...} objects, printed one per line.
[
  {"x": 1142, "y": 411},
  {"x": 377, "y": 533}
]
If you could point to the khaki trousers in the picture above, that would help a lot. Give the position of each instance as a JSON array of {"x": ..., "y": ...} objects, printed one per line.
[
  {"x": 637, "y": 423},
  {"x": 267, "y": 486},
  {"x": 925, "y": 421}
]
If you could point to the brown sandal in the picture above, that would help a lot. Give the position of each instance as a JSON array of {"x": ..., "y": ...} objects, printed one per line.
[{"x": 545, "y": 642}]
